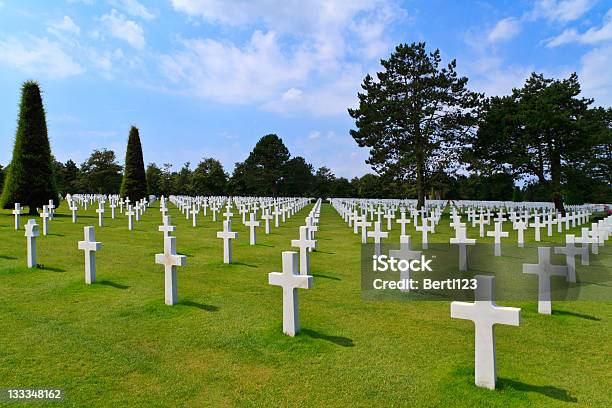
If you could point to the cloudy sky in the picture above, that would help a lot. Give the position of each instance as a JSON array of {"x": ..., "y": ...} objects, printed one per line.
[{"x": 202, "y": 78}]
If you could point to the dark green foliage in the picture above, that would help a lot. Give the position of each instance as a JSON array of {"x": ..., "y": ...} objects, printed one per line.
[
  {"x": 67, "y": 176},
  {"x": 323, "y": 181},
  {"x": 30, "y": 179},
  {"x": 540, "y": 131},
  {"x": 517, "y": 195},
  {"x": 166, "y": 181},
  {"x": 413, "y": 116},
  {"x": 261, "y": 173},
  {"x": 154, "y": 176},
  {"x": 1, "y": 177},
  {"x": 182, "y": 182},
  {"x": 297, "y": 178},
  {"x": 209, "y": 178},
  {"x": 100, "y": 173},
  {"x": 134, "y": 184},
  {"x": 341, "y": 187},
  {"x": 369, "y": 186}
]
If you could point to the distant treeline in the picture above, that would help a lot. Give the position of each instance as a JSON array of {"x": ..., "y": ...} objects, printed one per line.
[{"x": 269, "y": 170}]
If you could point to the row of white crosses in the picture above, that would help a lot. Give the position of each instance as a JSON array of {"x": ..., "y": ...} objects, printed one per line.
[
  {"x": 484, "y": 312},
  {"x": 357, "y": 218},
  {"x": 227, "y": 235},
  {"x": 296, "y": 273}
]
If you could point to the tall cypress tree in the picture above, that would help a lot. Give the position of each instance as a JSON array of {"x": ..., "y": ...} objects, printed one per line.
[
  {"x": 134, "y": 184},
  {"x": 30, "y": 180}
]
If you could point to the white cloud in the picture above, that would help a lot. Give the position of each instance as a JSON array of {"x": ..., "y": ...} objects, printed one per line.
[
  {"x": 504, "y": 30},
  {"x": 315, "y": 134},
  {"x": 122, "y": 28},
  {"x": 562, "y": 11},
  {"x": 591, "y": 36},
  {"x": 332, "y": 97},
  {"x": 134, "y": 8},
  {"x": 231, "y": 74},
  {"x": 299, "y": 62},
  {"x": 596, "y": 76},
  {"x": 66, "y": 25},
  {"x": 38, "y": 56}
]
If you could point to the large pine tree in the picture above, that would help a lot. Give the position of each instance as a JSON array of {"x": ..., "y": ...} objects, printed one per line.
[
  {"x": 134, "y": 184},
  {"x": 30, "y": 180}
]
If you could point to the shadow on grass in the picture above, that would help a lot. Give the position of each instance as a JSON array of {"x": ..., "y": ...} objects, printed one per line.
[
  {"x": 265, "y": 245},
  {"x": 244, "y": 264},
  {"x": 208, "y": 308},
  {"x": 574, "y": 314},
  {"x": 316, "y": 275},
  {"x": 585, "y": 283},
  {"x": 7, "y": 257},
  {"x": 339, "y": 340},
  {"x": 50, "y": 268},
  {"x": 318, "y": 251},
  {"x": 52, "y": 234},
  {"x": 113, "y": 284},
  {"x": 547, "y": 390}
]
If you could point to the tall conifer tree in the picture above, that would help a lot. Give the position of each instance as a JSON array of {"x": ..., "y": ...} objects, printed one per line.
[
  {"x": 30, "y": 180},
  {"x": 134, "y": 184}
]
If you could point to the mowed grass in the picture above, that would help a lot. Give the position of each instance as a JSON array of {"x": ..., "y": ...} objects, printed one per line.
[{"x": 116, "y": 343}]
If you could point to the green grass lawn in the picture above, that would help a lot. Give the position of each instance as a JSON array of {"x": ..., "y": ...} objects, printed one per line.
[{"x": 116, "y": 343}]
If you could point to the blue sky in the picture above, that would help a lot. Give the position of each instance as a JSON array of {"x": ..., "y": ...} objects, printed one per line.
[{"x": 205, "y": 78}]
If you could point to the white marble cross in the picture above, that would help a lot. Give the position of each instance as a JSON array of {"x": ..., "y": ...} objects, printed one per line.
[
  {"x": 485, "y": 314},
  {"x": 364, "y": 224},
  {"x": 194, "y": 216},
  {"x": 290, "y": 281},
  {"x": 544, "y": 270},
  {"x": 170, "y": 260},
  {"x": 227, "y": 235},
  {"x": 497, "y": 234},
  {"x": 89, "y": 246},
  {"x": 166, "y": 228},
  {"x": 45, "y": 215},
  {"x": 267, "y": 217},
  {"x": 425, "y": 229},
  {"x": 112, "y": 207},
  {"x": 31, "y": 232},
  {"x": 520, "y": 226},
  {"x": 73, "y": 207},
  {"x": 377, "y": 234},
  {"x": 570, "y": 251},
  {"x": 389, "y": 216},
  {"x": 462, "y": 240},
  {"x": 407, "y": 254},
  {"x": 584, "y": 240},
  {"x": 51, "y": 209},
  {"x": 130, "y": 214},
  {"x": 17, "y": 214},
  {"x": 100, "y": 212},
  {"x": 304, "y": 244},
  {"x": 228, "y": 214},
  {"x": 482, "y": 221},
  {"x": 537, "y": 225},
  {"x": 403, "y": 221},
  {"x": 252, "y": 223}
]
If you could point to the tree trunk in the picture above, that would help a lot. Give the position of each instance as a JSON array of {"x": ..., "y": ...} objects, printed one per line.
[
  {"x": 419, "y": 181},
  {"x": 555, "y": 172}
]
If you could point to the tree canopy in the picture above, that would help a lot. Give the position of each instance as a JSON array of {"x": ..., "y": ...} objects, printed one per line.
[
  {"x": 413, "y": 115},
  {"x": 134, "y": 184},
  {"x": 30, "y": 178},
  {"x": 539, "y": 131}
]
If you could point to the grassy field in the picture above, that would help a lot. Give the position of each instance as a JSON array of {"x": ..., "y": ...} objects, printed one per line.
[{"x": 116, "y": 343}]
